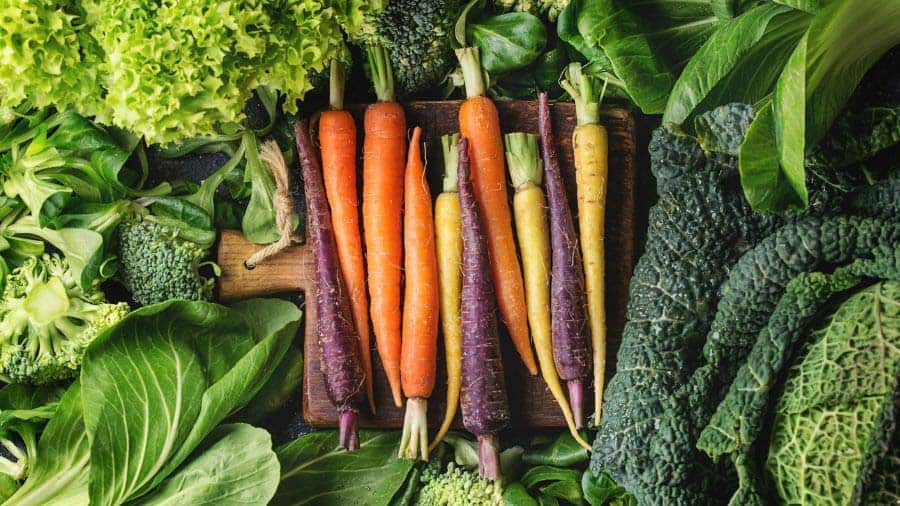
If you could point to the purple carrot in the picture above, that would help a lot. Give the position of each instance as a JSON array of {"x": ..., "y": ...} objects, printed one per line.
[
  {"x": 483, "y": 397},
  {"x": 571, "y": 342},
  {"x": 339, "y": 350}
]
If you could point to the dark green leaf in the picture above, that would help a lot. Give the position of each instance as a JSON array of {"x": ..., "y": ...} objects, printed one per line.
[
  {"x": 548, "y": 68},
  {"x": 599, "y": 491},
  {"x": 567, "y": 490},
  {"x": 284, "y": 383},
  {"x": 181, "y": 210},
  {"x": 564, "y": 451},
  {"x": 541, "y": 474},
  {"x": 234, "y": 466},
  {"x": 515, "y": 494},
  {"x": 508, "y": 42},
  {"x": 758, "y": 44},
  {"x": 407, "y": 493},
  {"x": 315, "y": 471},
  {"x": 192, "y": 363},
  {"x": 764, "y": 182}
]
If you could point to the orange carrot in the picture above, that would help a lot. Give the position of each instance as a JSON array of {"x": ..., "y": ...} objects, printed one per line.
[
  {"x": 418, "y": 360},
  {"x": 480, "y": 124},
  {"x": 384, "y": 157},
  {"x": 337, "y": 139}
]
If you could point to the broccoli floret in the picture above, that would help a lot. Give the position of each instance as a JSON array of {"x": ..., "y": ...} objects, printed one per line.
[
  {"x": 551, "y": 8},
  {"x": 156, "y": 264},
  {"x": 416, "y": 34},
  {"x": 457, "y": 487},
  {"x": 47, "y": 321}
]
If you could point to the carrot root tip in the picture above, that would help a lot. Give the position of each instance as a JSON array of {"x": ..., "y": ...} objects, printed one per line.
[
  {"x": 489, "y": 457},
  {"x": 576, "y": 399},
  {"x": 414, "y": 440},
  {"x": 349, "y": 432}
]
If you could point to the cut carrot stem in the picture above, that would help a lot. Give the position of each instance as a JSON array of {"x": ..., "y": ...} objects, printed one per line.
[
  {"x": 384, "y": 157},
  {"x": 479, "y": 122},
  {"x": 418, "y": 360},
  {"x": 530, "y": 207},
  {"x": 337, "y": 140},
  {"x": 590, "y": 146},
  {"x": 449, "y": 247}
]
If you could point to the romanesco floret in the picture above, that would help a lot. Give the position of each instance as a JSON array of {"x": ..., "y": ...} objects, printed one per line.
[
  {"x": 158, "y": 265},
  {"x": 416, "y": 34},
  {"x": 457, "y": 487},
  {"x": 551, "y": 8},
  {"x": 47, "y": 321}
]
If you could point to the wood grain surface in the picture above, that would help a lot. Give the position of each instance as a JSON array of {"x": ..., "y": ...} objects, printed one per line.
[{"x": 531, "y": 404}]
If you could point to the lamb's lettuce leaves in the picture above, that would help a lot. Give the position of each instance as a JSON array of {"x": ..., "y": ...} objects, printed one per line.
[
  {"x": 315, "y": 471},
  {"x": 235, "y": 466}
]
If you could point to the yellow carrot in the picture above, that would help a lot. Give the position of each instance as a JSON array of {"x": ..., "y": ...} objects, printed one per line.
[
  {"x": 530, "y": 208},
  {"x": 449, "y": 247},
  {"x": 590, "y": 145}
]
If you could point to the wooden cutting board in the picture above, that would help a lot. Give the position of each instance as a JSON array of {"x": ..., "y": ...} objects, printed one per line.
[{"x": 531, "y": 404}]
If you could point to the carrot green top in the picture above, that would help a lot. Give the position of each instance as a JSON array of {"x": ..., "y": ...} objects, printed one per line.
[
  {"x": 580, "y": 87},
  {"x": 450, "y": 144},
  {"x": 336, "y": 85},
  {"x": 523, "y": 159},
  {"x": 470, "y": 61},
  {"x": 382, "y": 76}
]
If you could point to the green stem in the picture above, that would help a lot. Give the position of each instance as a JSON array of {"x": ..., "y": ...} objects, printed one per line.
[
  {"x": 470, "y": 61},
  {"x": 523, "y": 159},
  {"x": 382, "y": 76},
  {"x": 579, "y": 86},
  {"x": 336, "y": 86},
  {"x": 450, "y": 144}
]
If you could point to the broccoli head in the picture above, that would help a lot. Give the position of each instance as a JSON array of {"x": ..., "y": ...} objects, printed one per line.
[
  {"x": 456, "y": 486},
  {"x": 47, "y": 321},
  {"x": 551, "y": 8},
  {"x": 416, "y": 34},
  {"x": 157, "y": 264}
]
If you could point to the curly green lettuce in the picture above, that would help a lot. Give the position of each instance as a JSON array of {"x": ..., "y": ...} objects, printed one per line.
[{"x": 166, "y": 71}]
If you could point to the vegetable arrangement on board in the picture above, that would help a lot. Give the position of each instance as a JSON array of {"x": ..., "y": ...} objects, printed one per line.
[{"x": 759, "y": 364}]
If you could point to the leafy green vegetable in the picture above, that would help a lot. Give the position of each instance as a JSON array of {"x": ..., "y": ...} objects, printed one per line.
[
  {"x": 758, "y": 44},
  {"x": 643, "y": 43},
  {"x": 314, "y": 470},
  {"x": 834, "y": 419},
  {"x": 258, "y": 223},
  {"x": 282, "y": 385},
  {"x": 515, "y": 494},
  {"x": 507, "y": 42},
  {"x": 188, "y": 363},
  {"x": 24, "y": 411},
  {"x": 235, "y": 465},
  {"x": 563, "y": 451},
  {"x": 602, "y": 490},
  {"x": 842, "y": 42},
  {"x": 551, "y": 8},
  {"x": 697, "y": 230},
  {"x": 165, "y": 73}
]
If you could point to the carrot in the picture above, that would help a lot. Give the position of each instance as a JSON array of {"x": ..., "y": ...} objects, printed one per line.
[
  {"x": 590, "y": 146},
  {"x": 337, "y": 140},
  {"x": 480, "y": 123},
  {"x": 418, "y": 360},
  {"x": 340, "y": 362},
  {"x": 384, "y": 157},
  {"x": 571, "y": 346},
  {"x": 529, "y": 205},
  {"x": 484, "y": 403},
  {"x": 449, "y": 247}
]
